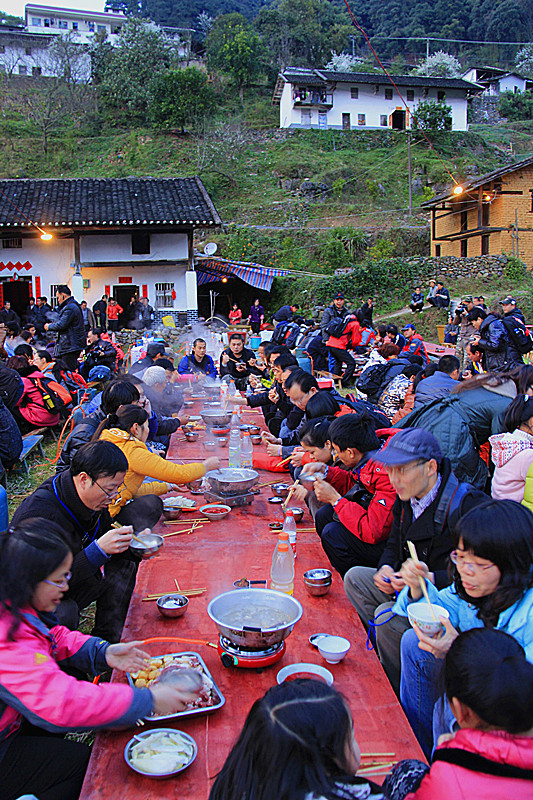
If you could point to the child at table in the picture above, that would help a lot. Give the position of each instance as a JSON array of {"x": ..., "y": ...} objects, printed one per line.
[
  {"x": 489, "y": 686},
  {"x": 297, "y": 743}
]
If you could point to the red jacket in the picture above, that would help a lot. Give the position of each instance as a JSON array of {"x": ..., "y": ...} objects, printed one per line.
[
  {"x": 416, "y": 347},
  {"x": 371, "y": 525},
  {"x": 113, "y": 311},
  {"x": 32, "y": 683},
  {"x": 447, "y": 781},
  {"x": 350, "y": 338}
]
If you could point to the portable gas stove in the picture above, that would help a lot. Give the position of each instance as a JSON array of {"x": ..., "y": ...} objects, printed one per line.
[
  {"x": 233, "y": 655},
  {"x": 233, "y": 500}
]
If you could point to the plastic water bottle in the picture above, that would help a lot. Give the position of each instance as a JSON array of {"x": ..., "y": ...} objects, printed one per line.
[
  {"x": 232, "y": 388},
  {"x": 234, "y": 447},
  {"x": 282, "y": 571},
  {"x": 235, "y": 420},
  {"x": 289, "y": 527},
  {"x": 246, "y": 451},
  {"x": 224, "y": 393}
]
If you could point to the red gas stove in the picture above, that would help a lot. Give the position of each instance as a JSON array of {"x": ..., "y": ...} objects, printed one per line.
[{"x": 233, "y": 655}]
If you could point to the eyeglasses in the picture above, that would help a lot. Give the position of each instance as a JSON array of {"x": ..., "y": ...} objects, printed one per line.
[
  {"x": 403, "y": 468},
  {"x": 460, "y": 561},
  {"x": 62, "y": 583},
  {"x": 109, "y": 495}
]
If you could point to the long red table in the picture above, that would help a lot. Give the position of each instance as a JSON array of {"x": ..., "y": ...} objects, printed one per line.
[{"x": 214, "y": 556}]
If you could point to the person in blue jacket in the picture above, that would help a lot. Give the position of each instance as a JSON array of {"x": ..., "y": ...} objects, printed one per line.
[
  {"x": 492, "y": 587},
  {"x": 198, "y": 361}
]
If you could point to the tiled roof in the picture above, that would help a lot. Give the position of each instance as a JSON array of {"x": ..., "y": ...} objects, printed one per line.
[
  {"x": 475, "y": 183},
  {"x": 93, "y": 202},
  {"x": 322, "y": 77}
]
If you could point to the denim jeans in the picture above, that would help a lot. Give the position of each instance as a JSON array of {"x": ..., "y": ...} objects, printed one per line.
[{"x": 421, "y": 685}]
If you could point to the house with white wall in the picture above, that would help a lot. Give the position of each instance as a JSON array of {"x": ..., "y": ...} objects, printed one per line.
[
  {"x": 121, "y": 237},
  {"x": 312, "y": 98},
  {"x": 495, "y": 80},
  {"x": 83, "y": 25}
]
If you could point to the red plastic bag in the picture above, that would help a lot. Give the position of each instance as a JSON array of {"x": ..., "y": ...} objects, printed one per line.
[{"x": 269, "y": 463}]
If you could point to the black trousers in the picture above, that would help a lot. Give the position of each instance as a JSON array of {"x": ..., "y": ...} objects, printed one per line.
[
  {"x": 417, "y": 306},
  {"x": 68, "y": 362},
  {"x": 343, "y": 548},
  {"x": 341, "y": 357},
  {"x": 112, "y": 324},
  {"x": 50, "y": 767}
]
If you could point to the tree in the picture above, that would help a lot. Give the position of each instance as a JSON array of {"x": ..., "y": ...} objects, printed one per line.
[
  {"x": 234, "y": 48},
  {"x": 439, "y": 65},
  {"x": 179, "y": 97},
  {"x": 429, "y": 115},
  {"x": 344, "y": 62},
  {"x": 298, "y": 32},
  {"x": 524, "y": 61},
  {"x": 204, "y": 23}
]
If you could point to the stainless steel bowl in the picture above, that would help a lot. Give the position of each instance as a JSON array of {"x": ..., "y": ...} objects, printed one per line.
[
  {"x": 221, "y": 606},
  {"x": 144, "y": 735},
  {"x": 280, "y": 489},
  {"x": 255, "y": 429},
  {"x": 148, "y": 545},
  {"x": 216, "y": 416},
  {"x": 222, "y": 441},
  {"x": 317, "y": 591},
  {"x": 191, "y": 437},
  {"x": 319, "y": 576},
  {"x": 256, "y": 439},
  {"x": 310, "y": 479},
  {"x": 196, "y": 484},
  {"x": 209, "y": 445},
  {"x": 212, "y": 389},
  {"x": 172, "y": 605},
  {"x": 231, "y": 480},
  {"x": 297, "y": 513}
]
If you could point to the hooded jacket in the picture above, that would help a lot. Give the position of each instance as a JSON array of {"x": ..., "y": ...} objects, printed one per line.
[
  {"x": 31, "y": 404},
  {"x": 69, "y": 328},
  {"x": 512, "y": 455},
  {"x": 478, "y": 752},
  {"x": 514, "y": 357},
  {"x": 493, "y": 342},
  {"x": 143, "y": 463},
  {"x": 33, "y": 685},
  {"x": 416, "y": 347}
]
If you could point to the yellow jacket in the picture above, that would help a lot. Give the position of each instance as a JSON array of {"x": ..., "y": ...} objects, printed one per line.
[{"x": 141, "y": 464}]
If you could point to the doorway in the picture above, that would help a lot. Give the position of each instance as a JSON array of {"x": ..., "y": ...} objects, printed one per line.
[
  {"x": 18, "y": 294},
  {"x": 346, "y": 125},
  {"x": 398, "y": 120},
  {"x": 123, "y": 295}
]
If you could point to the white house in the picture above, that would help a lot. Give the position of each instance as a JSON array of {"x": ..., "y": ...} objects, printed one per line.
[
  {"x": 495, "y": 80},
  {"x": 28, "y": 54},
  {"x": 312, "y": 98},
  {"x": 121, "y": 237},
  {"x": 83, "y": 24}
]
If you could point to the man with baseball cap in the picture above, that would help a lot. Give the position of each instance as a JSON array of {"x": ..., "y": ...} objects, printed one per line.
[
  {"x": 467, "y": 332},
  {"x": 414, "y": 343},
  {"x": 336, "y": 309},
  {"x": 429, "y": 501},
  {"x": 520, "y": 340}
]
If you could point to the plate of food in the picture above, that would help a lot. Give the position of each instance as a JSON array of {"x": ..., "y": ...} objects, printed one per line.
[
  {"x": 160, "y": 753},
  {"x": 179, "y": 501},
  {"x": 210, "y": 697}
]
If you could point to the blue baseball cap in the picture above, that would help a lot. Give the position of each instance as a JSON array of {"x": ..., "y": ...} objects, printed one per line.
[
  {"x": 408, "y": 445},
  {"x": 409, "y": 325},
  {"x": 100, "y": 373}
]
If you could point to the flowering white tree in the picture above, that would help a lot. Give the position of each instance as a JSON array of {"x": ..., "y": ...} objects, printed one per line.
[
  {"x": 439, "y": 65},
  {"x": 524, "y": 61},
  {"x": 344, "y": 62}
]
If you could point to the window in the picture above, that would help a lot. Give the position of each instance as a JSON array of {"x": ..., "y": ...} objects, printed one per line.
[
  {"x": 383, "y": 121},
  {"x": 28, "y": 51},
  {"x": 441, "y": 97},
  {"x": 47, "y": 23},
  {"x": 164, "y": 295},
  {"x": 91, "y": 27},
  {"x": 411, "y": 94},
  {"x": 388, "y": 94},
  {"x": 464, "y": 248},
  {"x": 11, "y": 244},
  {"x": 101, "y": 29},
  {"x": 22, "y": 70},
  {"x": 354, "y": 93},
  {"x": 464, "y": 220},
  {"x": 485, "y": 245},
  {"x": 361, "y": 119},
  {"x": 140, "y": 244},
  {"x": 36, "y": 22},
  {"x": 53, "y": 290},
  {"x": 36, "y": 71},
  {"x": 346, "y": 122},
  {"x": 74, "y": 26},
  {"x": 62, "y": 23},
  {"x": 437, "y": 251},
  {"x": 425, "y": 92},
  {"x": 485, "y": 215}
]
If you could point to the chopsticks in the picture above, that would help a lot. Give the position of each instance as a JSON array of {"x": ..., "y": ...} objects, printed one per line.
[
  {"x": 188, "y": 530},
  {"x": 285, "y": 460},
  {"x": 376, "y": 767},
  {"x": 291, "y": 492},
  {"x": 184, "y": 592},
  {"x": 414, "y": 556},
  {"x": 178, "y": 639},
  {"x": 117, "y": 525}
]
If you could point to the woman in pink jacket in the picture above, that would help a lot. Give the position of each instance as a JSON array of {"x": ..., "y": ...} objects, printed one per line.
[
  {"x": 35, "y": 692},
  {"x": 31, "y": 411},
  {"x": 489, "y": 686}
]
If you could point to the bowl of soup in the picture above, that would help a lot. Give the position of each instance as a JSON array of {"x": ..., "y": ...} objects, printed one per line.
[{"x": 303, "y": 670}]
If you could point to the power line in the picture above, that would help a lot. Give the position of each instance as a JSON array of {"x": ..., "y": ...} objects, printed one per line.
[{"x": 440, "y": 39}]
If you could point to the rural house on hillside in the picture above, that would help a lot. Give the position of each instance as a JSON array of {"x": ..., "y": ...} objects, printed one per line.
[
  {"x": 493, "y": 214},
  {"x": 312, "y": 98},
  {"x": 495, "y": 81}
]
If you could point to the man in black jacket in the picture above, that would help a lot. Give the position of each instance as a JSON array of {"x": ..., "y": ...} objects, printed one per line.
[
  {"x": 154, "y": 351},
  {"x": 238, "y": 362},
  {"x": 70, "y": 331},
  {"x": 7, "y": 314},
  {"x": 11, "y": 387},
  {"x": 100, "y": 312},
  {"x": 336, "y": 309},
  {"x": 429, "y": 501},
  {"x": 98, "y": 352},
  {"x": 103, "y": 569},
  {"x": 513, "y": 318}
]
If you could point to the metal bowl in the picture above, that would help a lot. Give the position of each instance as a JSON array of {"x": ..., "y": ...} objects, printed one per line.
[
  {"x": 172, "y": 605},
  {"x": 317, "y": 591},
  {"x": 255, "y": 429},
  {"x": 222, "y": 441},
  {"x": 256, "y": 439},
  {"x": 148, "y": 545},
  {"x": 231, "y": 480},
  {"x": 310, "y": 479},
  {"x": 191, "y": 436},
  {"x": 318, "y": 577},
  {"x": 224, "y": 604},
  {"x": 216, "y": 416},
  {"x": 188, "y": 403},
  {"x": 143, "y": 735},
  {"x": 209, "y": 445},
  {"x": 212, "y": 389},
  {"x": 195, "y": 485},
  {"x": 280, "y": 489},
  {"x": 297, "y": 513},
  {"x": 172, "y": 513}
]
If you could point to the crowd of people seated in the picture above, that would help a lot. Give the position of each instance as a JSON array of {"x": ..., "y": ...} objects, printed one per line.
[{"x": 436, "y": 454}]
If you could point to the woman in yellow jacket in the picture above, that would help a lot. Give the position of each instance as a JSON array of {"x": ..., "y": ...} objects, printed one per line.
[{"x": 137, "y": 502}]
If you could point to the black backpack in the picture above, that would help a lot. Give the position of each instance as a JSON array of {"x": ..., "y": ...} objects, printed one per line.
[
  {"x": 518, "y": 333},
  {"x": 55, "y": 397},
  {"x": 337, "y": 325},
  {"x": 371, "y": 380},
  {"x": 280, "y": 333}
]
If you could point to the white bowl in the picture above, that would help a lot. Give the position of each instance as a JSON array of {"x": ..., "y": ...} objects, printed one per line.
[
  {"x": 302, "y": 669},
  {"x": 333, "y": 648},
  {"x": 421, "y": 614}
]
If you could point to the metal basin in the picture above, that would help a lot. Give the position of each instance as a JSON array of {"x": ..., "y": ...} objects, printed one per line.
[
  {"x": 230, "y": 480},
  {"x": 251, "y": 636},
  {"x": 216, "y": 416}
]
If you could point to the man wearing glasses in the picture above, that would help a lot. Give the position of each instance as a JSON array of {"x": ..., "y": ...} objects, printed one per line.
[
  {"x": 103, "y": 569},
  {"x": 429, "y": 501}
]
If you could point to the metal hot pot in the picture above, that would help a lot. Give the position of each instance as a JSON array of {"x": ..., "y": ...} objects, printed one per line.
[
  {"x": 250, "y": 637},
  {"x": 231, "y": 480}
]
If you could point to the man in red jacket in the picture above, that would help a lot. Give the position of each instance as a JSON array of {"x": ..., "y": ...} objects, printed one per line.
[
  {"x": 415, "y": 344},
  {"x": 356, "y": 517}
]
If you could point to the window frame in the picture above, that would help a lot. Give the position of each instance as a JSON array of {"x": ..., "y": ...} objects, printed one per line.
[{"x": 163, "y": 295}]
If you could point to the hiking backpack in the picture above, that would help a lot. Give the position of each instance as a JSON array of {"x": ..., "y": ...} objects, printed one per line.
[
  {"x": 337, "y": 325},
  {"x": 55, "y": 397},
  {"x": 371, "y": 380},
  {"x": 280, "y": 333},
  {"x": 519, "y": 334}
]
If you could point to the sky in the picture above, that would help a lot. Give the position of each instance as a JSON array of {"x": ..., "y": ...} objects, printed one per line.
[{"x": 16, "y": 7}]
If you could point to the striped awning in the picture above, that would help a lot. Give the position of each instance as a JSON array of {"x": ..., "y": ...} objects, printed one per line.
[{"x": 214, "y": 269}]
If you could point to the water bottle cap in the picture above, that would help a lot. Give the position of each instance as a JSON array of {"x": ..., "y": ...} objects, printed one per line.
[
  {"x": 283, "y": 547},
  {"x": 289, "y": 513},
  {"x": 284, "y": 536}
]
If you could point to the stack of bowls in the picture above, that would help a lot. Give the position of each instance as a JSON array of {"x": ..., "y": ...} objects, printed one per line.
[{"x": 317, "y": 581}]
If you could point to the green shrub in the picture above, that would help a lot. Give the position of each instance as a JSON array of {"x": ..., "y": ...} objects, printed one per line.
[{"x": 514, "y": 270}]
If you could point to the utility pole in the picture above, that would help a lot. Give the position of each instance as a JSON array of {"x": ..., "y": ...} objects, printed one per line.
[
  {"x": 427, "y": 48},
  {"x": 409, "y": 173}
]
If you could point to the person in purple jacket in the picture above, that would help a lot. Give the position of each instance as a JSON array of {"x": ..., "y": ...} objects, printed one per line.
[{"x": 256, "y": 316}]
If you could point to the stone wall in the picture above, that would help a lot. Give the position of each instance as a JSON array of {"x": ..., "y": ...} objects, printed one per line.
[
  {"x": 453, "y": 267},
  {"x": 483, "y": 109}
]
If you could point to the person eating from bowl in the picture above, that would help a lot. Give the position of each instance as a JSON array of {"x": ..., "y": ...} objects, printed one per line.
[
  {"x": 237, "y": 361},
  {"x": 39, "y": 701}
]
